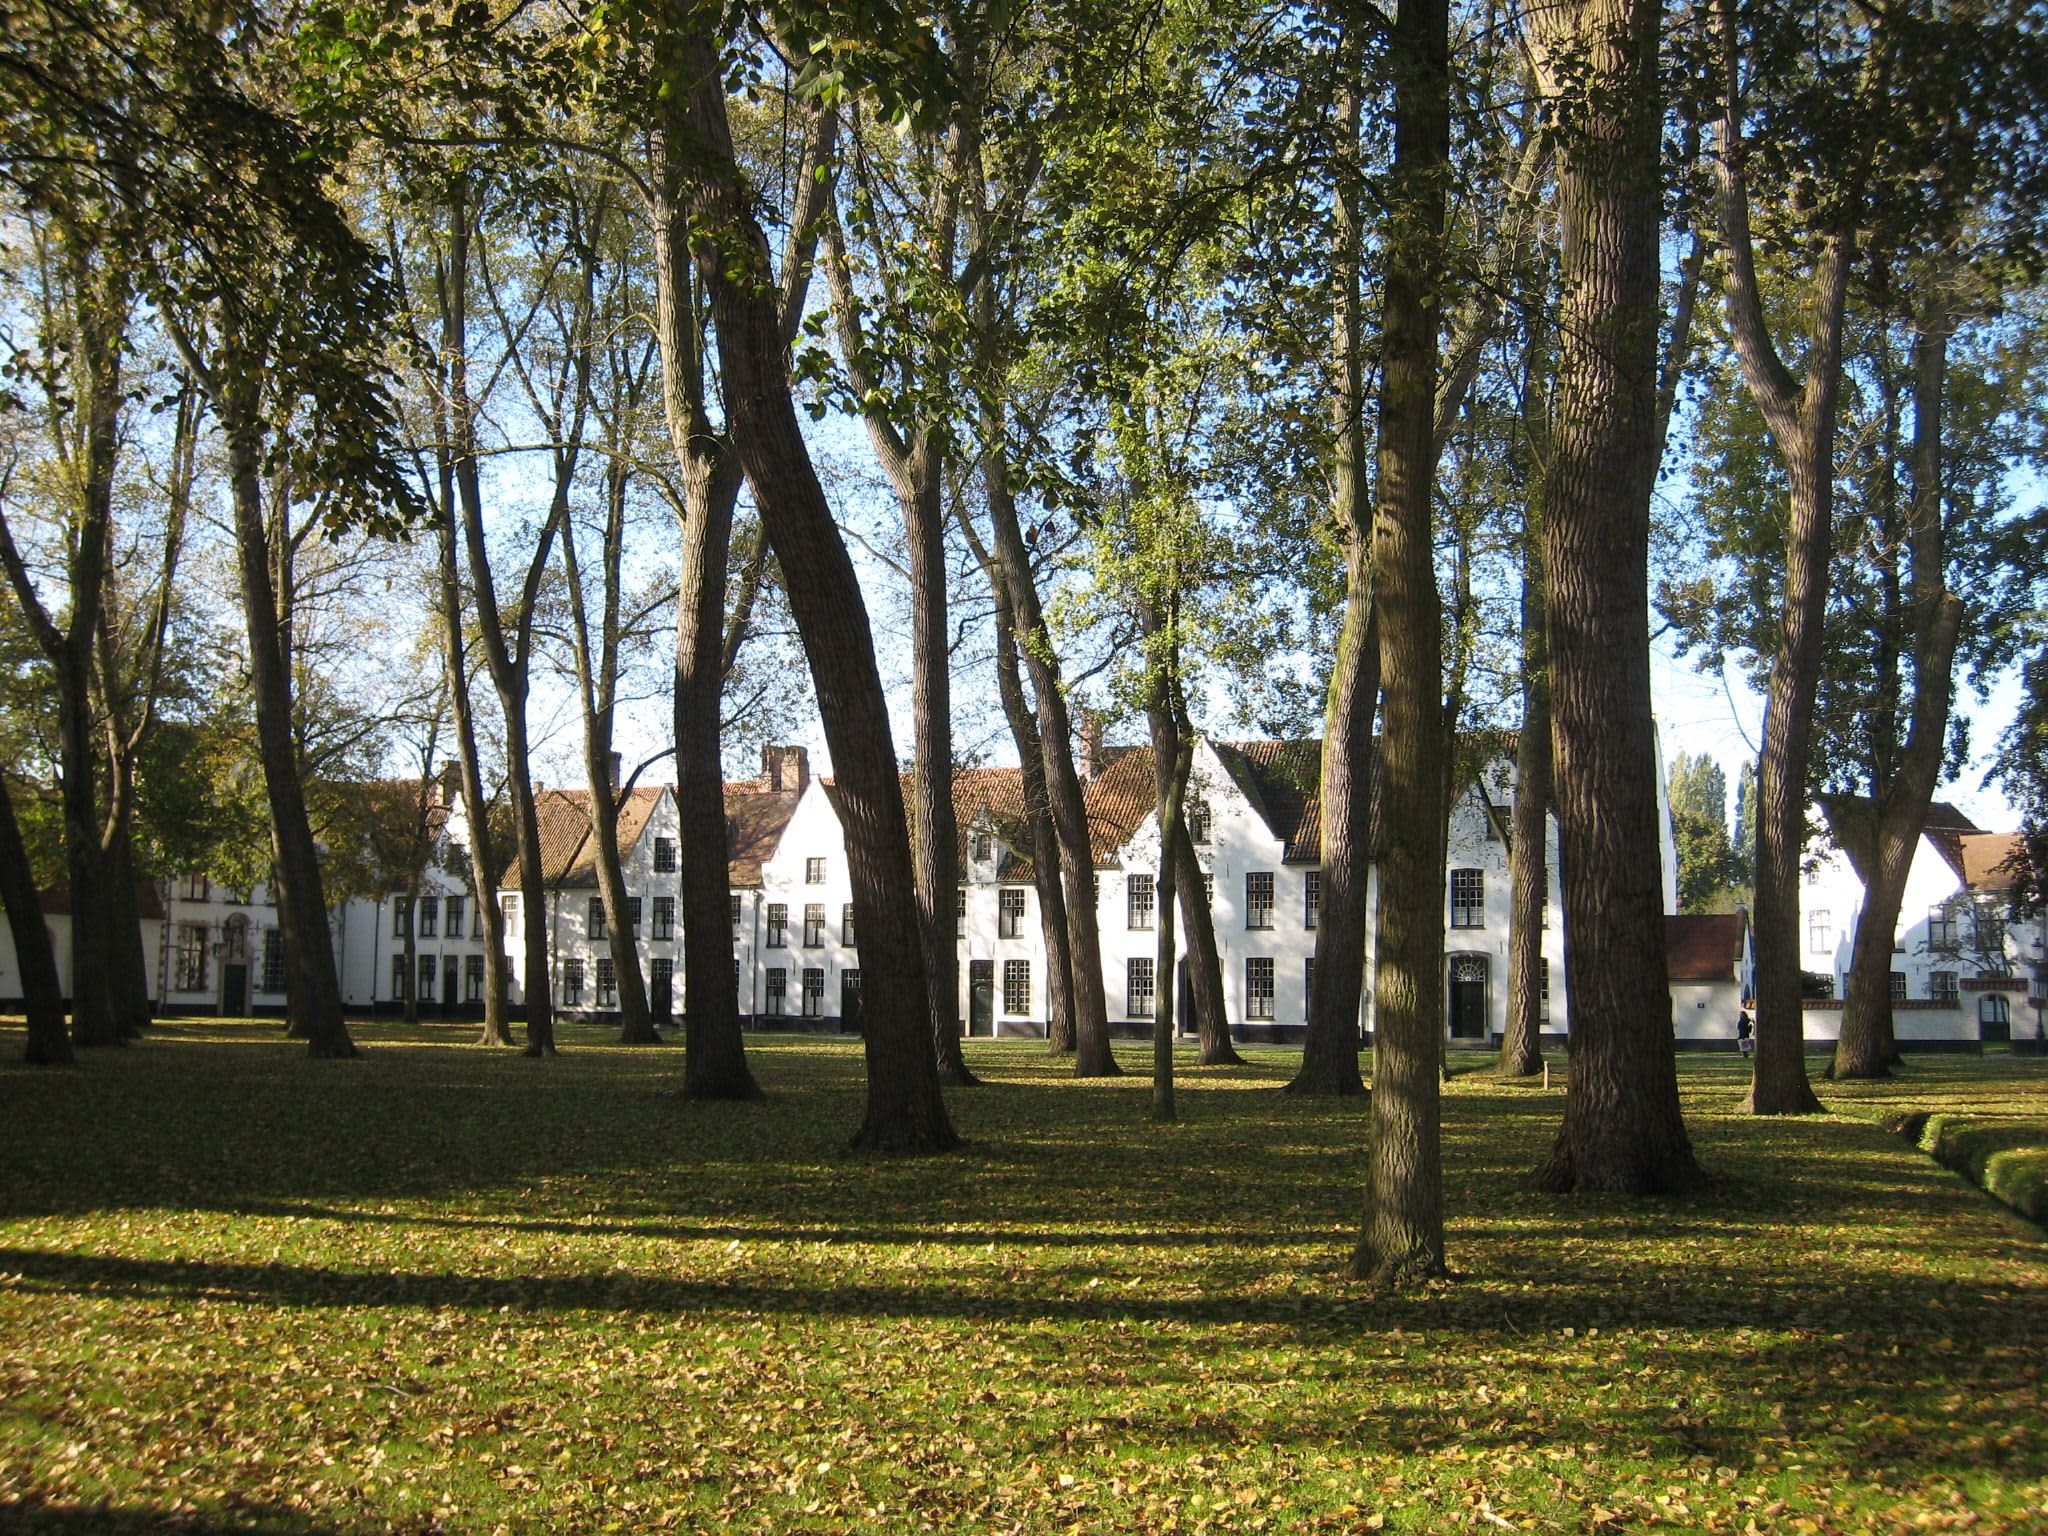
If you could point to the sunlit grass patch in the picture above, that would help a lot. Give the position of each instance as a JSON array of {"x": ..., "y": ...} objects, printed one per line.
[{"x": 450, "y": 1288}]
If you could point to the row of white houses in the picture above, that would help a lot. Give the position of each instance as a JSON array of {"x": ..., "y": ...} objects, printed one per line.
[{"x": 1255, "y": 820}]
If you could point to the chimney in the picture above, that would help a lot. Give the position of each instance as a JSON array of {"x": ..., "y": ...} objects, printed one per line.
[
  {"x": 787, "y": 769},
  {"x": 448, "y": 782},
  {"x": 618, "y": 762},
  {"x": 1088, "y": 760}
]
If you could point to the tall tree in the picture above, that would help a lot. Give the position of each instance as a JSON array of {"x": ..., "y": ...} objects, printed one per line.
[
  {"x": 42, "y": 990},
  {"x": 1623, "y": 1128}
]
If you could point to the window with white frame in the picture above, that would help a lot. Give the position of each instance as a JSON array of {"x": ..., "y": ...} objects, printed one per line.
[
  {"x": 607, "y": 983},
  {"x": 1820, "y": 931},
  {"x": 454, "y": 904},
  {"x": 597, "y": 929},
  {"x": 632, "y": 917},
  {"x": 1543, "y": 995},
  {"x": 1898, "y": 986},
  {"x": 664, "y": 855},
  {"x": 194, "y": 887},
  {"x": 1942, "y": 987},
  {"x": 846, "y": 928},
  {"x": 572, "y": 983},
  {"x": 398, "y": 975},
  {"x": 814, "y": 871},
  {"x": 1198, "y": 820},
  {"x": 778, "y": 925},
  {"x": 1258, "y": 899},
  {"x": 430, "y": 917},
  {"x": 1017, "y": 987},
  {"x": 1468, "y": 898},
  {"x": 777, "y": 992},
  {"x": 960, "y": 913},
  {"x": 1941, "y": 927},
  {"x": 190, "y": 974},
  {"x": 814, "y": 991},
  {"x": 1258, "y": 987},
  {"x": 664, "y": 917},
  {"x": 472, "y": 978},
  {"x": 735, "y": 914},
  {"x": 814, "y": 924},
  {"x": 1010, "y": 912},
  {"x": 1311, "y": 897},
  {"x": 1139, "y": 901},
  {"x": 429, "y": 964},
  {"x": 509, "y": 905},
  {"x": 401, "y": 912},
  {"x": 273, "y": 960},
  {"x": 1138, "y": 994}
]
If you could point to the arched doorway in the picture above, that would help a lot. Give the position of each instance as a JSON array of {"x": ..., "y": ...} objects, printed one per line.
[
  {"x": 1994, "y": 1018},
  {"x": 1468, "y": 997}
]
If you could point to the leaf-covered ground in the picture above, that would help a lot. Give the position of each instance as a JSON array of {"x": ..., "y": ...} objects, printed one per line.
[{"x": 449, "y": 1289}]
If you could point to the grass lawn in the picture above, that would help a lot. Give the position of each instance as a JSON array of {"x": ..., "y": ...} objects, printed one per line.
[{"x": 445, "y": 1289}]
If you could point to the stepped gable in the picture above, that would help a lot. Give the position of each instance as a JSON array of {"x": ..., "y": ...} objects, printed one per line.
[
  {"x": 756, "y": 816},
  {"x": 1852, "y": 822},
  {"x": 1704, "y": 946}
]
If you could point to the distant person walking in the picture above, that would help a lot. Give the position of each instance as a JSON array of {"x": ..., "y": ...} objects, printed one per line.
[{"x": 1745, "y": 1031}]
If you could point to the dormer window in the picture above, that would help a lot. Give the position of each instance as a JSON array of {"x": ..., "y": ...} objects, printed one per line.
[
  {"x": 981, "y": 847},
  {"x": 1198, "y": 820}
]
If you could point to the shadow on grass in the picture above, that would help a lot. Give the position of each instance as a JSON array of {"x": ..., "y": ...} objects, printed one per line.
[{"x": 33, "y": 1515}]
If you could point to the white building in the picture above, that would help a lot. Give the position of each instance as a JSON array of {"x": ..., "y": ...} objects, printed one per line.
[{"x": 1960, "y": 973}]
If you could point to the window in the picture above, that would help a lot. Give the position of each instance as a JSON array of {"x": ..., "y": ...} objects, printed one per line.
[
  {"x": 1308, "y": 985},
  {"x": 960, "y": 913},
  {"x": 401, "y": 910},
  {"x": 1016, "y": 987},
  {"x": 428, "y": 965},
  {"x": 1543, "y": 996},
  {"x": 1898, "y": 986},
  {"x": 510, "y": 905},
  {"x": 1311, "y": 897},
  {"x": 473, "y": 978},
  {"x": 981, "y": 847},
  {"x": 1941, "y": 928},
  {"x": 778, "y": 925},
  {"x": 1990, "y": 932},
  {"x": 572, "y": 983},
  {"x": 1209, "y": 892},
  {"x": 1898, "y": 942},
  {"x": 662, "y": 976},
  {"x": 1258, "y": 988},
  {"x": 814, "y": 924},
  {"x": 1258, "y": 901},
  {"x": 1994, "y": 1013},
  {"x": 607, "y": 983},
  {"x": 430, "y": 917},
  {"x": 664, "y": 917},
  {"x": 1138, "y": 988},
  {"x": 398, "y": 976},
  {"x": 273, "y": 960},
  {"x": 476, "y": 922},
  {"x": 814, "y": 991},
  {"x": 778, "y": 991},
  {"x": 1010, "y": 914},
  {"x": 846, "y": 925},
  {"x": 1941, "y": 986},
  {"x": 1198, "y": 820},
  {"x": 191, "y": 973},
  {"x": 597, "y": 927},
  {"x": 1546, "y": 907},
  {"x": 664, "y": 855},
  {"x": 735, "y": 915},
  {"x": 194, "y": 888},
  {"x": 632, "y": 917},
  {"x": 1468, "y": 898},
  {"x": 1820, "y": 931},
  {"x": 454, "y": 906},
  {"x": 1138, "y": 901},
  {"x": 814, "y": 871}
]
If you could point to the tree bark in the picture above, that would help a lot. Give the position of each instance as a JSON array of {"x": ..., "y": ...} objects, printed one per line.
[
  {"x": 1172, "y": 754},
  {"x": 42, "y": 990},
  {"x": 905, "y": 1108},
  {"x": 1092, "y": 1055},
  {"x": 1623, "y": 1128},
  {"x": 1205, "y": 964},
  {"x": 1866, "y": 1044},
  {"x": 1403, "y": 1230},
  {"x": 1521, "y": 1045},
  {"x": 1329, "y": 1052}
]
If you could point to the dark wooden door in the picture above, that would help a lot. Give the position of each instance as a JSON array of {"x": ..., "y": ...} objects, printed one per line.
[
  {"x": 849, "y": 1001},
  {"x": 451, "y": 979},
  {"x": 234, "y": 989},
  {"x": 981, "y": 997},
  {"x": 1994, "y": 1019},
  {"x": 1468, "y": 998}
]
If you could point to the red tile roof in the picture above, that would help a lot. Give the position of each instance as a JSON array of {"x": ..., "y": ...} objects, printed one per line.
[
  {"x": 755, "y": 819},
  {"x": 1704, "y": 946},
  {"x": 1993, "y": 861},
  {"x": 1852, "y": 821}
]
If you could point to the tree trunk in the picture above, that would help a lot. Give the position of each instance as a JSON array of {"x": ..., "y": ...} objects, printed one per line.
[
  {"x": 42, "y": 991},
  {"x": 1867, "y": 1046},
  {"x": 1329, "y": 1050},
  {"x": 1403, "y": 1230},
  {"x": 1171, "y": 756},
  {"x": 1092, "y": 1055},
  {"x": 313, "y": 991},
  {"x": 905, "y": 1108},
  {"x": 409, "y": 911},
  {"x": 1623, "y": 1128},
  {"x": 1205, "y": 965},
  {"x": 1521, "y": 1045},
  {"x": 714, "y": 1051},
  {"x": 1045, "y": 844}
]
